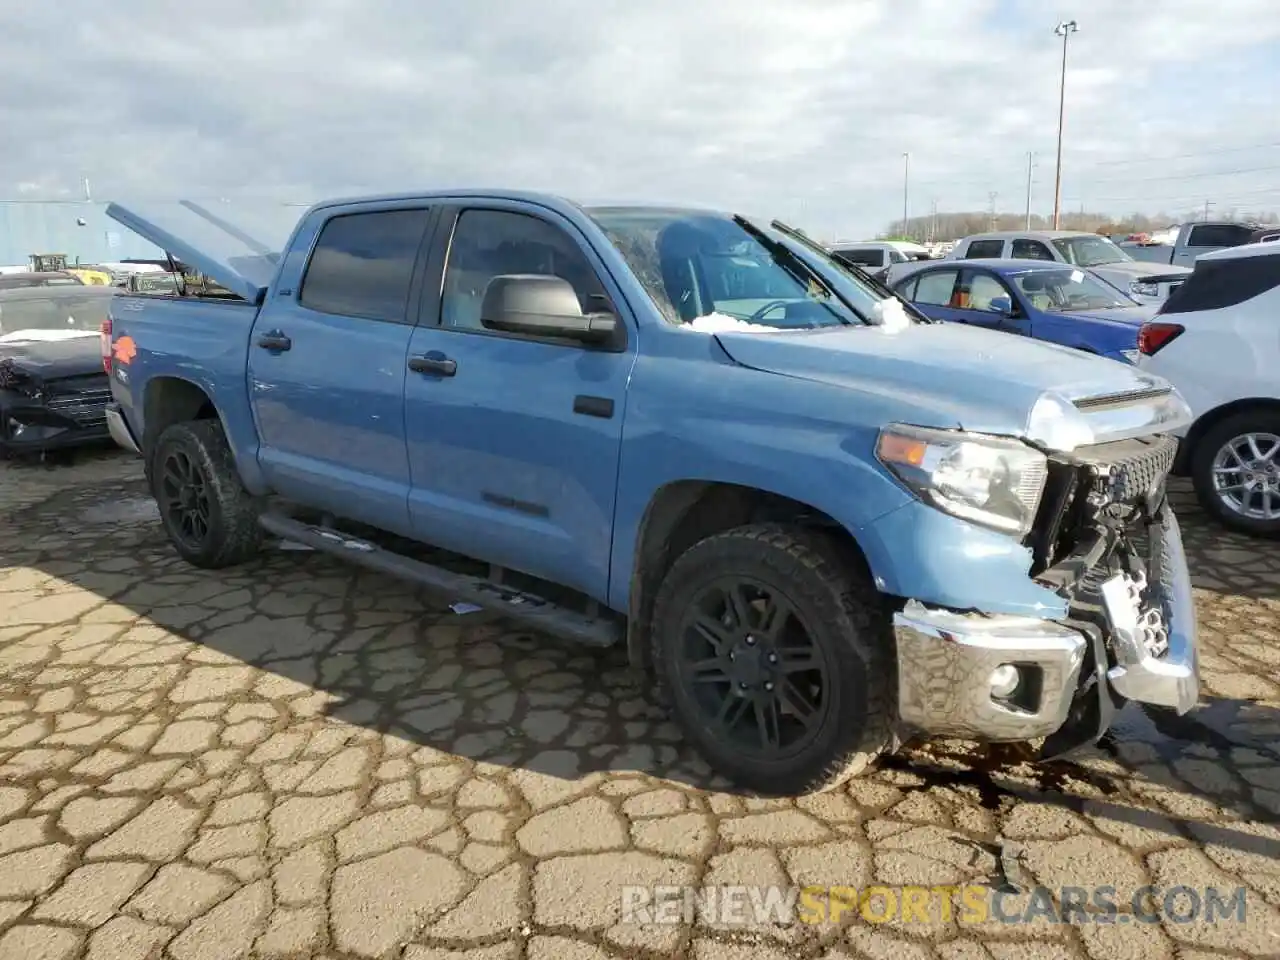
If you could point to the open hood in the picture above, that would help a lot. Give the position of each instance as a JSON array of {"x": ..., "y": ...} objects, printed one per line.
[{"x": 237, "y": 247}]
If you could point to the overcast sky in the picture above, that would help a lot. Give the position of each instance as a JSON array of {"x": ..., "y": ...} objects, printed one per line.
[{"x": 794, "y": 108}]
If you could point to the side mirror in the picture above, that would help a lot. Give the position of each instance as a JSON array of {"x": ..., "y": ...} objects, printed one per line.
[
  {"x": 542, "y": 306},
  {"x": 1001, "y": 305}
]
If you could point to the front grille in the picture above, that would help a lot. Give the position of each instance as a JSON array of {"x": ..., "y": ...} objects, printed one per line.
[
  {"x": 1126, "y": 472},
  {"x": 1130, "y": 470},
  {"x": 86, "y": 407}
]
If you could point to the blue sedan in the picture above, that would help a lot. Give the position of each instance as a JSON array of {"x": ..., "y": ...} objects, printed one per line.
[{"x": 1047, "y": 301}]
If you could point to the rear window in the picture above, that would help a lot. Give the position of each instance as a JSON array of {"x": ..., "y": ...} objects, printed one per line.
[
  {"x": 863, "y": 258},
  {"x": 984, "y": 249},
  {"x": 363, "y": 264},
  {"x": 1219, "y": 235},
  {"x": 1219, "y": 284}
]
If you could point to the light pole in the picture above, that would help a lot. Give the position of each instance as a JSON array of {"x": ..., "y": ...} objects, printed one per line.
[
  {"x": 1031, "y": 158},
  {"x": 1064, "y": 30},
  {"x": 906, "y": 182}
]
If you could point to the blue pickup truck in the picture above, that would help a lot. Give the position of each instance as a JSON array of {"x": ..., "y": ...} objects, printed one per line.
[{"x": 821, "y": 524}]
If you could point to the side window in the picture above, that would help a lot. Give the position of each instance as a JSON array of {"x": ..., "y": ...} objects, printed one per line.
[
  {"x": 982, "y": 289},
  {"x": 1024, "y": 249},
  {"x": 984, "y": 249},
  {"x": 907, "y": 290},
  {"x": 494, "y": 243},
  {"x": 934, "y": 288},
  {"x": 1218, "y": 235},
  {"x": 362, "y": 264}
]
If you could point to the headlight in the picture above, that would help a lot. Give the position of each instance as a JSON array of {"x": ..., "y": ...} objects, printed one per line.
[
  {"x": 989, "y": 480},
  {"x": 1144, "y": 289}
]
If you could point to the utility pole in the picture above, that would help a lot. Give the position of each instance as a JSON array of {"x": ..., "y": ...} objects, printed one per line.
[
  {"x": 1064, "y": 30},
  {"x": 1207, "y": 205},
  {"x": 933, "y": 221},
  {"x": 991, "y": 197},
  {"x": 1030, "y": 164},
  {"x": 906, "y": 183}
]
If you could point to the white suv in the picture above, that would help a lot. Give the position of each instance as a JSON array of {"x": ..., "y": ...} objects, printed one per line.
[{"x": 1217, "y": 338}]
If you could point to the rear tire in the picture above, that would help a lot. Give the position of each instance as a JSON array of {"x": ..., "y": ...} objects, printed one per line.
[
  {"x": 796, "y": 699},
  {"x": 211, "y": 520},
  {"x": 1226, "y": 445}
]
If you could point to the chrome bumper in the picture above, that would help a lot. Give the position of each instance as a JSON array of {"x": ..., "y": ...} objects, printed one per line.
[
  {"x": 1171, "y": 680},
  {"x": 119, "y": 429},
  {"x": 945, "y": 663},
  {"x": 946, "y": 660}
]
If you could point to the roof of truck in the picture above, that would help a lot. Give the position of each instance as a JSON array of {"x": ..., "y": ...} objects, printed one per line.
[{"x": 1034, "y": 234}]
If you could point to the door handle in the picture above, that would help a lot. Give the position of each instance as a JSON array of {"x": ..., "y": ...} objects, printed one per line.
[
  {"x": 275, "y": 340},
  {"x": 435, "y": 363}
]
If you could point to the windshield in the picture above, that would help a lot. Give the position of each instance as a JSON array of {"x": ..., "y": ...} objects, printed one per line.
[
  {"x": 1090, "y": 250},
  {"x": 695, "y": 264},
  {"x": 1064, "y": 291},
  {"x": 42, "y": 313}
]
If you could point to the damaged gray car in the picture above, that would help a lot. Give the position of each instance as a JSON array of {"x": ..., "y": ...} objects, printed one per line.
[{"x": 53, "y": 384}]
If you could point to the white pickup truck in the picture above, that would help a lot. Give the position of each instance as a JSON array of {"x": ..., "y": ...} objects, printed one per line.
[
  {"x": 1144, "y": 281},
  {"x": 1191, "y": 240}
]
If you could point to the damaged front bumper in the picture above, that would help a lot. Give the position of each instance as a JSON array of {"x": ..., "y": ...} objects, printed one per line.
[{"x": 1011, "y": 678}]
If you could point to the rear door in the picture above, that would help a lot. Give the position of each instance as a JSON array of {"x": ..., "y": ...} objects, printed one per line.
[
  {"x": 326, "y": 364},
  {"x": 934, "y": 292},
  {"x": 514, "y": 441}
]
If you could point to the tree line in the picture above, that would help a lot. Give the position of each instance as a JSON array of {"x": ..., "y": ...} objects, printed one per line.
[{"x": 952, "y": 226}]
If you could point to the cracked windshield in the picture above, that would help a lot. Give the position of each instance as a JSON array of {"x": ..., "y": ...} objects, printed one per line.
[{"x": 664, "y": 481}]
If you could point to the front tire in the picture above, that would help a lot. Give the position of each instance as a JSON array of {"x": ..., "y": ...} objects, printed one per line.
[
  {"x": 774, "y": 652},
  {"x": 1235, "y": 469},
  {"x": 211, "y": 520}
]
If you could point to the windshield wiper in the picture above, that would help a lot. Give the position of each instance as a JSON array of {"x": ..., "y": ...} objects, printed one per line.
[
  {"x": 874, "y": 283},
  {"x": 794, "y": 264}
]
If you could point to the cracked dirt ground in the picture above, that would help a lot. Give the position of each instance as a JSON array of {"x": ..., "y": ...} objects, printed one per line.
[{"x": 297, "y": 759}]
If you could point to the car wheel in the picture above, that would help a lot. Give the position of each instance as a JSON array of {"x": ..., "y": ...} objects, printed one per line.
[
  {"x": 773, "y": 650},
  {"x": 1235, "y": 468},
  {"x": 210, "y": 518}
]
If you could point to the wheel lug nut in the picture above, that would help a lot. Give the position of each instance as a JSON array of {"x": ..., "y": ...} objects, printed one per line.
[
  {"x": 742, "y": 686},
  {"x": 773, "y": 658},
  {"x": 768, "y": 685},
  {"x": 751, "y": 641}
]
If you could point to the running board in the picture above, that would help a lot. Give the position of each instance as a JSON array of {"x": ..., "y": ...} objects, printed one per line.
[{"x": 526, "y": 608}]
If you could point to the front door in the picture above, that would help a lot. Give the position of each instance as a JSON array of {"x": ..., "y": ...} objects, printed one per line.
[
  {"x": 327, "y": 365},
  {"x": 514, "y": 441},
  {"x": 976, "y": 298}
]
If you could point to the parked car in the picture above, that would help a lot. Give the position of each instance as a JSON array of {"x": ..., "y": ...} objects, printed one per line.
[
  {"x": 816, "y": 522},
  {"x": 156, "y": 283},
  {"x": 1190, "y": 241},
  {"x": 50, "y": 278},
  {"x": 1045, "y": 301},
  {"x": 53, "y": 388},
  {"x": 1216, "y": 339},
  {"x": 1145, "y": 282},
  {"x": 872, "y": 257}
]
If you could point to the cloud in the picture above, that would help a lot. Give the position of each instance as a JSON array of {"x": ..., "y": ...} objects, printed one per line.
[{"x": 800, "y": 108}]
